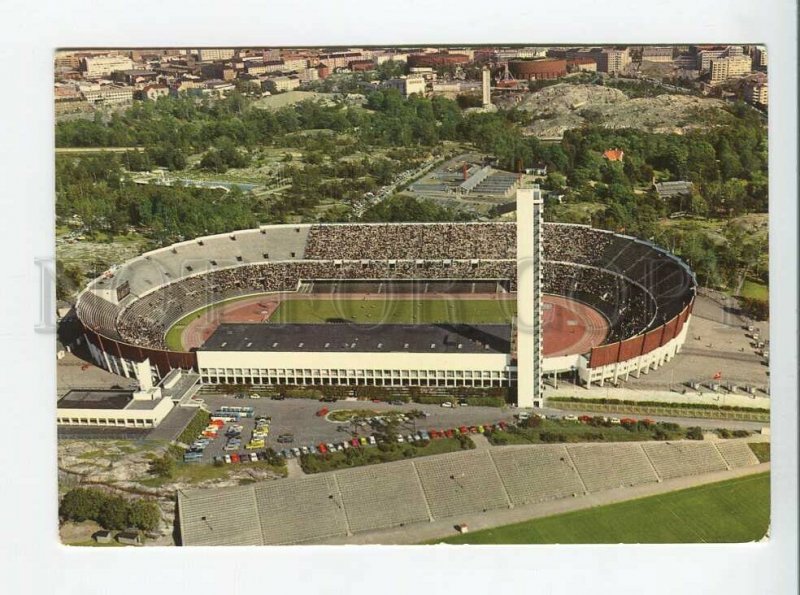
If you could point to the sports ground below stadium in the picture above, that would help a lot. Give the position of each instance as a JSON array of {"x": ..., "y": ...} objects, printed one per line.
[
  {"x": 570, "y": 326},
  {"x": 731, "y": 511}
]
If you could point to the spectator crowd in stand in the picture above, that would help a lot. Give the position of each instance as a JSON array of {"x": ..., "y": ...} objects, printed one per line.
[{"x": 633, "y": 284}]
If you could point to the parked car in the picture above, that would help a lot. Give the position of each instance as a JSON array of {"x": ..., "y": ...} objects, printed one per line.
[
  {"x": 363, "y": 441},
  {"x": 323, "y": 412},
  {"x": 523, "y": 415},
  {"x": 322, "y": 448},
  {"x": 355, "y": 443},
  {"x": 286, "y": 438},
  {"x": 228, "y": 459},
  {"x": 372, "y": 440},
  {"x": 328, "y": 399},
  {"x": 255, "y": 396},
  {"x": 296, "y": 451},
  {"x": 304, "y": 450},
  {"x": 447, "y": 404},
  {"x": 253, "y": 457},
  {"x": 234, "y": 458},
  {"x": 449, "y": 433},
  {"x": 280, "y": 397},
  {"x": 400, "y": 438},
  {"x": 570, "y": 418},
  {"x": 397, "y": 402},
  {"x": 312, "y": 449},
  {"x": 463, "y": 430}
]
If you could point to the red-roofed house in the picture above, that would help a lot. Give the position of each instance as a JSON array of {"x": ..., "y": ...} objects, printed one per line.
[{"x": 614, "y": 154}]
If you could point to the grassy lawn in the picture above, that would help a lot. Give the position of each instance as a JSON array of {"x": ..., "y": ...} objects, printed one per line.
[
  {"x": 93, "y": 543},
  {"x": 200, "y": 472},
  {"x": 397, "y": 311},
  {"x": 732, "y": 511},
  {"x": 578, "y": 432},
  {"x": 348, "y": 414},
  {"x": 755, "y": 290},
  {"x": 761, "y": 450}
]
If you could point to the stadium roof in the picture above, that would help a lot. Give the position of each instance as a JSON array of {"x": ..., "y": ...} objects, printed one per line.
[{"x": 360, "y": 338}]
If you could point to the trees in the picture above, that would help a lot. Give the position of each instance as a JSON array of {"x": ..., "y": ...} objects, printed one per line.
[{"x": 144, "y": 515}]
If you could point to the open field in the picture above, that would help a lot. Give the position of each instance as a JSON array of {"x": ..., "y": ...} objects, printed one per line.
[
  {"x": 755, "y": 290},
  {"x": 732, "y": 511},
  {"x": 396, "y": 311}
]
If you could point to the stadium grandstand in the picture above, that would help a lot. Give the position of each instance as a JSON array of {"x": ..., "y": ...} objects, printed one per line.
[
  {"x": 336, "y": 504},
  {"x": 643, "y": 294}
]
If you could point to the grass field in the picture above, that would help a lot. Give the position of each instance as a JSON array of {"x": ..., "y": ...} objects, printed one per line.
[
  {"x": 755, "y": 290},
  {"x": 398, "y": 311},
  {"x": 732, "y": 511}
]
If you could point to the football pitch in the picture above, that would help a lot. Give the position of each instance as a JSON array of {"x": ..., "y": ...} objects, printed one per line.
[
  {"x": 395, "y": 311},
  {"x": 732, "y": 511}
]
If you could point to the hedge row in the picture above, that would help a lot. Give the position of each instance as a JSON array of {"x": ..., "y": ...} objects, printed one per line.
[
  {"x": 659, "y": 404},
  {"x": 195, "y": 427}
]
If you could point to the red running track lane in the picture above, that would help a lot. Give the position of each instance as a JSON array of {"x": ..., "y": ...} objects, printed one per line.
[{"x": 569, "y": 327}]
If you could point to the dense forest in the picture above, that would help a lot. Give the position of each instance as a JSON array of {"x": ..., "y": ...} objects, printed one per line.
[{"x": 726, "y": 161}]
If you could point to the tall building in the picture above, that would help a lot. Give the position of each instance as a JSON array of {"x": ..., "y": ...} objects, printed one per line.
[
  {"x": 706, "y": 55},
  {"x": 613, "y": 61},
  {"x": 760, "y": 58},
  {"x": 486, "y": 86},
  {"x": 529, "y": 290},
  {"x": 724, "y": 68},
  {"x": 757, "y": 93}
]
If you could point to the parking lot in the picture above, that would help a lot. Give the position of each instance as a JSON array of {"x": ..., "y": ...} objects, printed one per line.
[{"x": 298, "y": 417}]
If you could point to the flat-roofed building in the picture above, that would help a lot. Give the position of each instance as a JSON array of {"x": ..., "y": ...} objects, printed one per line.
[
  {"x": 358, "y": 354},
  {"x": 613, "y": 61},
  {"x": 211, "y": 54},
  {"x": 723, "y": 69},
  {"x": 757, "y": 93},
  {"x": 98, "y": 66},
  {"x": 109, "y": 95},
  {"x": 657, "y": 53},
  {"x": 407, "y": 85}
]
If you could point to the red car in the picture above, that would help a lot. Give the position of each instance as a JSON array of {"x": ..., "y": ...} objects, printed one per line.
[
  {"x": 355, "y": 442},
  {"x": 449, "y": 433},
  {"x": 488, "y": 427},
  {"x": 434, "y": 434},
  {"x": 463, "y": 430},
  {"x": 584, "y": 419},
  {"x": 322, "y": 448},
  {"x": 234, "y": 458},
  {"x": 322, "y": 412},
  {"x": 473, "y": 429},
  {"x": 503, "y": 425}
]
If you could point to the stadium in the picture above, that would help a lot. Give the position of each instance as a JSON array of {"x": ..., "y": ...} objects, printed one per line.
[{"x": 399, "y": 304}]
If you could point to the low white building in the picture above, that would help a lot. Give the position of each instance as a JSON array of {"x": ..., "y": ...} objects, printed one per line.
[{"x": 407, "y": 85}]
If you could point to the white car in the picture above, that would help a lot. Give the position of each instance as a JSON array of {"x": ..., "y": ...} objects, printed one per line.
[
  {"x": 447, "y": 404},
  {"x": 253, "y": 457},
  {"x": 372, "y": 440},
  {"x": 255, "y": 396},
  {"x": 400, "y": 438},
  {"x": 570, "y": 418},
  {"x": 228, "y": 459},
  {"x": 614, "y": 420},
  {"x": 304, "y": 450}
]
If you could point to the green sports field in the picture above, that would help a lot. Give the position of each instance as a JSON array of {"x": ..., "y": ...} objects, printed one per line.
[
  {"x": 397, "y": 311},
  {"x": 732, "y": 511},
  {"x": 175, "y": 332}
]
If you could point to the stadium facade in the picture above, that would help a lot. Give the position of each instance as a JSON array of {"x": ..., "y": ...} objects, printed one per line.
[{"x": 644, "y": 293}]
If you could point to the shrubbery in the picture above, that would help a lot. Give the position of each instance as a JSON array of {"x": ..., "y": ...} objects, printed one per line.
[
  {"x": 694, "y": 433},
  {"x": 195, "y": 427},
  {"x": 110, "y": 511}
]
